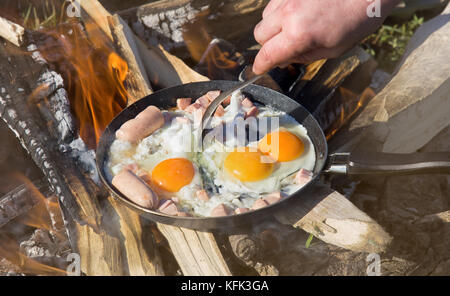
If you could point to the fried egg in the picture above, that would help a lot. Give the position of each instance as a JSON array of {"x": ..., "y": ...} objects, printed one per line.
[{"x": 263, "y": 166}]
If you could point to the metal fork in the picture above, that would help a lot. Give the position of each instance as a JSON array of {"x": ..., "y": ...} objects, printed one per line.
[{"x": 213, "y": 106}]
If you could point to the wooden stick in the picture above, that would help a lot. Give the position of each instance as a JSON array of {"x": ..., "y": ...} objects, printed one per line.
[
  {"x": 137, "y": 82},
  {"x": 332, "y": 218},
  {"x": 196, "y": 252},
  {"x": 12, "y": 32}
]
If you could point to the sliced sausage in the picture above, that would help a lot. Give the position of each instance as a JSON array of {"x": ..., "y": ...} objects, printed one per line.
[
  {"x": 203, "y": 101},
  {"x": 247, "y": 103},
  {"x": 183, "y": 214},
  {"x": 212, "y": 94},
  {"x": 143, "y": 125},
  {"x": 259, "y": 203},
  {"x": 135, "y": 189},
  {"x": 220, "y": 111},
  {"x": 227, "y": 101},
  {"x": 168, "y": 207},
  {"x": 302, "y": 177},
  {"x": 202, "y": 195},
  {"x": 241, "y": 210},
  {"x": 182, "y": 120},
  {"x": 182, "y": 103},
  {"x": 252, "y": 112},
  {"x": 273, "y": 197},
  {"x": 194, "y": 107},
  {"x": 220, "y": 210}
]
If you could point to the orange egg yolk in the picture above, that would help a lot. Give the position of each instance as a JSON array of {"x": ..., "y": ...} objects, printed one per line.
[
  {"x": 247, "y": 166},
  {"x": 281, "y": 146},
  {"x": 173, "y": 174}
]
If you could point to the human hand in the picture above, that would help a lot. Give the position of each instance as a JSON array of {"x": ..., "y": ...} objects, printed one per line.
[{"x": 303, "y": 31}]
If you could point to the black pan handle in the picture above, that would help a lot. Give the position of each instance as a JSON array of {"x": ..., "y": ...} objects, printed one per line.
[{"x": 367, "y": 162}]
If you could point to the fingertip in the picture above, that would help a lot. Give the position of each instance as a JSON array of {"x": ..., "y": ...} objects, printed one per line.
[
  {"x": 258, "y": 66},
  {"x": 256, "y": 69}
]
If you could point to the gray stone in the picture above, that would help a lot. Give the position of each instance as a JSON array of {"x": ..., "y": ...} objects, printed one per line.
[{"x": 421, "y": 192}]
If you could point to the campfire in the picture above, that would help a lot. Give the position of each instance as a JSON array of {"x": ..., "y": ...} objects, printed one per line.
[{"x": 62, "y": 85}]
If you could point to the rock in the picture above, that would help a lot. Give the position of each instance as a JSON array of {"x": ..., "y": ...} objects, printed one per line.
[
  {"x": 441, "y": 242},
  {"x": 413, "y": 107},
  {"x": 442, "y": 269},
  {"x": 413, "y": 196}
]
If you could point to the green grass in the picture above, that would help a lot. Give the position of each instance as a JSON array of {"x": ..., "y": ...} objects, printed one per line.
[
  {"x": 388, "y": 44},
  {"x": 309, "y": 240},
  {"x": 45, "y": 15}
]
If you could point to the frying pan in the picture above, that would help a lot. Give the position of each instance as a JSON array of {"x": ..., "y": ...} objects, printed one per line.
[{"x": 342, "y": 163}]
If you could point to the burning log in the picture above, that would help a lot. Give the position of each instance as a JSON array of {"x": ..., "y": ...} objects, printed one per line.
[
  {"x": 101, "y": 250},
  {"x": 138, "y": 84},
  {"x": 16, "y": 203},
  {"x": 162, "y": 68}
]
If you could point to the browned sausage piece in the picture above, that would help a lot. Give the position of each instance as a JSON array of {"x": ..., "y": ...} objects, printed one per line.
[
  {"x": 135, "y": 189},
  {"x": 143, "y": 125},
  {"x": 227, "y": 101}
]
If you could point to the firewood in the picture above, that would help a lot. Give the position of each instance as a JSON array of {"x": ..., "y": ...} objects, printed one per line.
[
  {"x": 101, "y": 252},
  {"x": 196, "y": 252},
  {"x": 162, "y": 22},
  {"x": 332, "y": 218},
  {"x": 12, "y": 32},
  {"x": 156, "y": 61},
  {"x": 139, "y": 263},
  {"x": 137, "y": 82},
  {"x": 76, "y": 196}
]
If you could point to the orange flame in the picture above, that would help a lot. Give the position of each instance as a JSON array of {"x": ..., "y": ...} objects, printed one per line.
[
  {"x": 37, "y": 217},
  {"x": 94, "y": 76},
  {"x": 351, "y": 103}
]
